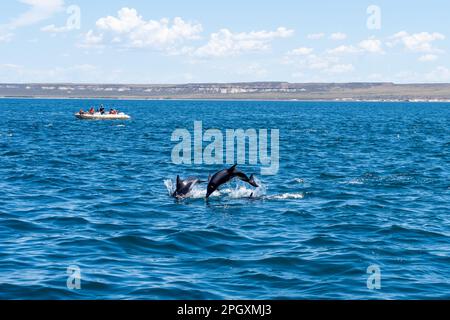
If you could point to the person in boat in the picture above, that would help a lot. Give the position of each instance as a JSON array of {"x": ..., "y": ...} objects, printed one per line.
[
  {"x": 92, "y": 110},
  {"x": 102, "y": 109},
  {"x": 81, "y": 111}
]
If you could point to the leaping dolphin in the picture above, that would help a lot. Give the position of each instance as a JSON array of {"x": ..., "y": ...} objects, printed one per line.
[
  {"x": 225, "y": 176},
  {"x": 184, "y": 187}
]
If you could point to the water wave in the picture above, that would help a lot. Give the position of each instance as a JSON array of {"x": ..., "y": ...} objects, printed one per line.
[{"x": 349, "y": 194}]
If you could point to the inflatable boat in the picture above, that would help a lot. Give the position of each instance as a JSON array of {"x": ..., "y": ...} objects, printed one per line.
[{"x": 99, "y": 116}]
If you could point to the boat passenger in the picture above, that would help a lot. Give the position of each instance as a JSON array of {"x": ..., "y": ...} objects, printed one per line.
[
  {"x": 102, "y": 109},
  {"x": 92, "y": 110},
  {"x": 81, "y": 111}
]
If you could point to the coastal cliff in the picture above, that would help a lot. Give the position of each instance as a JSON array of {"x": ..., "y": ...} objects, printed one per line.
[{"x": 254, "y": 90}]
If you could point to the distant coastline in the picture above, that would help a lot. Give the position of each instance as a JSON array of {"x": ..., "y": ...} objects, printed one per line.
[
  {"x": 282, "y": 91},
  {"x": 219, "y": 99}
]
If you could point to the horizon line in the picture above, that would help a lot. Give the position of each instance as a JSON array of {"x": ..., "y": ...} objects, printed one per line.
[{"x": 226, "y": 83}]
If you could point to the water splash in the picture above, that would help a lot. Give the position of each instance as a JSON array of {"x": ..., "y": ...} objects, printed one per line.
[
  {"x": 170, "y": 186},
  {"x": 243, "y": 190},
  {"x": 235, "y": 190},
  {"x": 197, "y": 192}
]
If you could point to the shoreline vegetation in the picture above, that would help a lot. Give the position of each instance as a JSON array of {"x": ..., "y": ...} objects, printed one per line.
[{"x": 283, "y": 91}]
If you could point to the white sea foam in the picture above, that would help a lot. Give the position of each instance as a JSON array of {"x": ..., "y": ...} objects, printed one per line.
[
  {"x": 197, "y": 192},
  {"x": 169, "y": 186},
  {"x": 236, "y": 190},
  {"x": 286, "y": 196},
  {"x": 239, "y": 191}
]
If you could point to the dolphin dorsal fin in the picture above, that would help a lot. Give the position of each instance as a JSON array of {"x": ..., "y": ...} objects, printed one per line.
[
  {"x": 179, "y": 182},
  {"x": 233, "y": 168}
]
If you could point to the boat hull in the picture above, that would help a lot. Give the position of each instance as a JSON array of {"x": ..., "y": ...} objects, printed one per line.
[{"x": 98, "y": 116}]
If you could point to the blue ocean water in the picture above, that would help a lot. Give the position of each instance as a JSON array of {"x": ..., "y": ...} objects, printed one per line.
[{"x": 359, "y": 184}]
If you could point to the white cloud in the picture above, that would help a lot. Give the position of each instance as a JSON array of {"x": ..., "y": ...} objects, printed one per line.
[
  {"x": 5, "y": 37},
  {"x": 343, "y": 49},
  {"x": 365, "y": 46},
  {"x": 324, "y": 63},
  {"x": 417, "y": 42},
  {"x": 90, "y": 39},
  {"x": 132, "y": 30},
  {"x": 315, "y": 36},
  {"x": 338, "y": 36},
  {"x": 54, "y": 29},
  {"x": 301, "y": 51},
  {"x": 128, "y": 19},
  {"x": 38, "y": 11},
  {"x": 226, "y": 43},
  {"x": 428, "y": 58},
  {"x": 372, "y": 46}
]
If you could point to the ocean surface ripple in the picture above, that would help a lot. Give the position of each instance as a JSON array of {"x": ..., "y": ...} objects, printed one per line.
[{"x": 359, "y": 184}]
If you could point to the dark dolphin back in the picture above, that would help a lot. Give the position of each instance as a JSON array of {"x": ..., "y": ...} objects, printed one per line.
[
  {"x": 225, "y": 176},
  {"x": 217, "y": 180}
]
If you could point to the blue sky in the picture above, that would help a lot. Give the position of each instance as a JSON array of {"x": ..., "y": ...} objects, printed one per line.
[{"x": 229, "y": 41}]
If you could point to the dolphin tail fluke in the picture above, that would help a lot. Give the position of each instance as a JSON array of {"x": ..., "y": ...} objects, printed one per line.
[{"x": 243, "y": 177}]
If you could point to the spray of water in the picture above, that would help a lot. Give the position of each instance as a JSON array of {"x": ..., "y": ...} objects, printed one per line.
[{"x": 235, "y": 190}]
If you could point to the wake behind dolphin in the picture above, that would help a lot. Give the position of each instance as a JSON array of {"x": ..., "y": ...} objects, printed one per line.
[
  {"x": 236, "y": 190},
  {"x": 225, "y": 176},
  {"x": 189, "y": 188},
  {"x": 184, "y": 188}
]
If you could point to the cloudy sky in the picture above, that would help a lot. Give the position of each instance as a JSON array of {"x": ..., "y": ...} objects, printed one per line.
[{"x": 132, "y": 41}]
